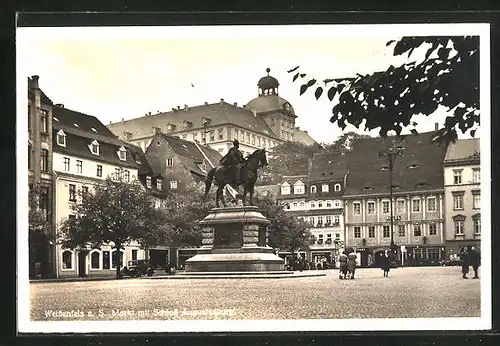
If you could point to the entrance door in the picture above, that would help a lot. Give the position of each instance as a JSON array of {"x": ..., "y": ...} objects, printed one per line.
[{"x": 82, "y": 263}]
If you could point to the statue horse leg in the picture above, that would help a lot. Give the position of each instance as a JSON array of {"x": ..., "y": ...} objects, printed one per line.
[{"x": 220, "y": 194}]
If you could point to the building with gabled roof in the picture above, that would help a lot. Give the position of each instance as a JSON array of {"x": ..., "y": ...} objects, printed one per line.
[
  {"x": 85, "y": 153},
  {"x": 262, "y": 123},
  {"x": 462, "y": 189},
  {"x": 418, "y": 194}
]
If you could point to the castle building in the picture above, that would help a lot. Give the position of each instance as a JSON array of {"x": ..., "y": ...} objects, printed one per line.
[
  {"x": 262, "y": 123},
  {"x": 462, "y": 188}
]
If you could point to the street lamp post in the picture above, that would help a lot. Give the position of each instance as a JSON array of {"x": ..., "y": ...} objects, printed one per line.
[{"x": 390, "y": 155}]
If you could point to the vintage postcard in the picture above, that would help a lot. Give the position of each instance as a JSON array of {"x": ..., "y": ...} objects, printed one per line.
[{"x": 253, "y": 178}]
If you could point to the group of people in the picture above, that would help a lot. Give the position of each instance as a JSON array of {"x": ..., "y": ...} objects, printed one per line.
[
  {"x": 347, "y": 262},
  {"x": 470, "y": 257}
]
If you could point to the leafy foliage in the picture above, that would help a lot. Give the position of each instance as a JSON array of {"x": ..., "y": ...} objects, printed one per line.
[
  {"x": 448, "y": 75},
  {"x": 114, "y": 212},
  {"x": 287, "y": 232},
  {"x": 36, "y": 217}
]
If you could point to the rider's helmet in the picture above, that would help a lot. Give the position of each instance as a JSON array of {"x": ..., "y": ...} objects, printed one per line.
[{"x": 236, "y": 143}]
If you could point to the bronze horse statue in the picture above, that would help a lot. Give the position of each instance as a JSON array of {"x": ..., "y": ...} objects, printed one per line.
[{"x": 253, "y": 162}]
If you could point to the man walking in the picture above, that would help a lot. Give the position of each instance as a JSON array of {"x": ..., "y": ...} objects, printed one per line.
[
  {"x": 464, "y": 258},
  {"x": 475, "y": 261}
]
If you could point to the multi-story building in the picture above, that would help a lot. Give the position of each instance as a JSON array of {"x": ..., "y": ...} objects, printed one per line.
[
  {"x": 417, "y": 203},
  {"x": 174, "y": 164},
  {"x": 317, "y": 198},
  {"x": 40, "y": 177},
  {"x": 85, "y": 153},
  {"x": 462, "y": 188},
  {"x": 264, "y": 122}
]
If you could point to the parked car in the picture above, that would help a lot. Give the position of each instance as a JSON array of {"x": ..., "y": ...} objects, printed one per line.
[{"x": 138, "y": 268}]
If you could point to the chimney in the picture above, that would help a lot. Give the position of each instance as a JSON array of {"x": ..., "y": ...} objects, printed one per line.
[
  {"x": 149, "y": 113},
  {"x": 436, "y": 126},
  {"x": 221, "y": 101},
  {"x": 60, "y": 105},
  {"x": 236, "y": 104},
  {"x": 178, "y": 107},
  {"x": 186, "y": 107},
  {"x": 35, "y": 81},
  {"x": 206, "y": 103}
]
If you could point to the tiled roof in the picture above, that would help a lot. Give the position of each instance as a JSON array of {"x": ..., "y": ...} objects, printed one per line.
[
  {"x": 78, "y": 139},
  {"x": 420, "y": 168},
  {"x": 292, "y": 179},
  {"x": 463, "y": 149},
  {"x": 328, "y": 167},
  {"x": 192, "y": 157},
  {"x": 67, "y": 118},
  {"x": 268, "y": 103},
  {"x": 303, "y": 137},
  {"x": 218, "y": 113}
]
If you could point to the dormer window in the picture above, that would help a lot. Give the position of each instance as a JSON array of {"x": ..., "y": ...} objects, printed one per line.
[
  {"x": 313, "y": 189},
  {"x": 159, "y": 184},
  {"x": 285, "y": 188},
  {"x": 137, "y": 158},
  {"x": 170, "y": 127},
  {"x": 122, "y": 153},
  {"x": 61, "y": 138},
  {"x": 148, "y": 182},
  {"x": 324, "y": 188},
  {"x": 94, "y": 147},
  {"x": 337, "y": 187}
]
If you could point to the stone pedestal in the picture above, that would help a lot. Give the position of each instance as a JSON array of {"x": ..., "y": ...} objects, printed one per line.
[{"x": 234, "y": 240}]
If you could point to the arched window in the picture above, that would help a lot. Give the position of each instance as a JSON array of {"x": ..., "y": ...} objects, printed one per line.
[
  {"x": 313, "y": 189},
  {"x": 67, "y": 259},
  {"x": 295, "y": 204},
  {"x": 302, "y": 204},
  {"x": 312, "y": 204},
  {"x": 95, "y": 260},
  {"x": 337, "y": 187}
]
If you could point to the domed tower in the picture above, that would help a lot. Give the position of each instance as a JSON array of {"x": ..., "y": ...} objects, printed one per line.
[{"x": 277, "y": 112}]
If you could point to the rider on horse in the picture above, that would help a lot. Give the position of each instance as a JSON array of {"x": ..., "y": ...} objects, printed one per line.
[{"x": 235, "y": 163}]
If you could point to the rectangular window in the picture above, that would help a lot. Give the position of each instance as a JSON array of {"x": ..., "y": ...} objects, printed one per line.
[
  {"x": 356, "y": 208},
  {"x": 476, "y": 175},
  {"x": 117, "y": 174},
  {"x": 299, "y": 190},
  {"x": 417, "y": 253},
  {"x": 336, "y": 203},
  {"x": 431, "y": 204},
  {"x": 170, "y": 162},
  {"x": 85, "y": 191},
  {"x": 320, "y": 204},
  {"x": 212, "y": 136},
  {"x": 248, "y": 138},
  {"x": 79, "y": 166},
  {"x": 72, "y": 192},
  {"x": 320, "y": 221},
  {"x": 458, "y": 202},
  {"x": 357, "y": 232},
  {"x": 417, "y": 230},
  {"x": 432, "y": 254},
  {"x": 371, "y": 208},
  {"x": 159, "y": 184},
  {"x": 148, "y": 182},
  {"x": 371, "y": 232},
  {"x": 117, "y": 256},
  {"x": 134, "y": 254},
  {"x": 44, "y": 201},
  {"x": 126, "y": 175},
  {"x": 221, "y": 134},
  {"x": 99, "y": 170},
  {"x": 415, "y": 206},
  {"x": 66, "y": 164},
  {"x": 285, "y": 190},
  {"x": 328, "y": 220},
  {"x": 258, "y": 142},
  {"x": 337, "y": 236},
  {"x": 386, "y": 232},
  {"x": 459, "y": 227},
  {"x": 328, "y": 204},
  {"x": 173, "y": 185},
  {"x": 44, "y": 160},
  {"x": 320, "y": 238},
  {"x": 336, "y": 219},
  {"x": 105, "y": 260},
  {"x": 401, "y": 231},
  {"x": 432, "y": 229},
  {"x": 476, "y": 200},
  {"x": 400, "y": 206},
  {"x": 253, "y": 139},
  {"x": 477, "y": 225},
  {"x": 324, "y": 188},
  {"x": 457, "y": 177},
  {"x": 311, "y": 220},
  {"x": 385, "y": 207},
  {"x": 44, "y": 118}
]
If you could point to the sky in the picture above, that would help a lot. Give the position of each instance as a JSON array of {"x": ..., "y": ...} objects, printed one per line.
[{"x": 117, "y": 73}]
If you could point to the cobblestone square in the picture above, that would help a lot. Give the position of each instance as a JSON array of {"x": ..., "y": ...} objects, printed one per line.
[{"x": 423, "y": 292}]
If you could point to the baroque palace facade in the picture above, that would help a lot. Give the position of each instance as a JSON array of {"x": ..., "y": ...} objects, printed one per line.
[{"x": 262, "y": 123}]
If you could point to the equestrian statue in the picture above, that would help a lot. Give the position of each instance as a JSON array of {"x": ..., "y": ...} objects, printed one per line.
[{"x": 236, "y": 171}]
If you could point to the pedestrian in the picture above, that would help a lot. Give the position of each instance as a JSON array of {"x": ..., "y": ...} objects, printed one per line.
[
  {"x": 343, "y": 265},
  {"x": 464, "y": 258},
  {"x": 351, "y": 264},
  {"x": 475, "y": 261},
  {"x": 385, "y": 263}
]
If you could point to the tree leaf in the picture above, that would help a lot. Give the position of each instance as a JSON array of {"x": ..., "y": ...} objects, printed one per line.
[
  {"x": 414, "y": 132},
  {"x": 331, "y": 93},
  {"x": 293, "y": 69},
  {"x": 389, "y": 43},
  {"x": 303, "y": 88},
  {"x": 302, "y": 75},
  {"x": 295, "y": 77},
  {"x": 311, "y": 82},
  {"x": 472, "y": 133},
  {"x": 318, "y": 92}
]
